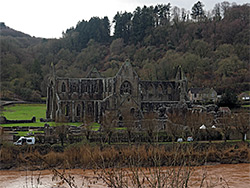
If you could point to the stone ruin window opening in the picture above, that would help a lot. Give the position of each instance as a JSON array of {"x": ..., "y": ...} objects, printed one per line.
[
  {"x": 84, "y": 87},
  {"x": 169, "y": 90},
  {"x": 63, "y": 87},
  {"x": 75, "y": 88},
  {"x": 78, "y": 110},
  {"x": 95, "y": 87},
  {"x": 66, "y": 110},
  {"x": 132, "y": 111},
  {"x": 90, "y": 108},
  {"x": 126, "y": 88},
  {"x": 150, "y": 90},
  {"x": 160, "y": 90}
]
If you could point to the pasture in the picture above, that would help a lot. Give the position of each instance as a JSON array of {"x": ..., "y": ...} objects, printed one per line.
[{"x": 26, "y": 112}]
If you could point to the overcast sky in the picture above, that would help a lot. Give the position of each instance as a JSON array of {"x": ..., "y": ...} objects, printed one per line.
[{"x": 49, "y": 18}]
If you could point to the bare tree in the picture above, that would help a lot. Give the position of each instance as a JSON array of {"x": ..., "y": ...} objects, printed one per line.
[
  {"x": 149, "y": 124},
  {"x": 194, "y": 120},
  {"x": 87, "y": 129},
  {"x": 62, "y": 131},
  {"x": 208, "y": 119},
  {"x": 129, "y": 123},
  {"x": 108, "y": 123},
  {"x": 242, "y": 123},
  {"x": 175, "y": 125},
  {"x": 224, "y": 123}
]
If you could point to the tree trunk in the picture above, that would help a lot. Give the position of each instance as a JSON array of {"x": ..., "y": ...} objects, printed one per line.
[{"x": 243, "y": 137}]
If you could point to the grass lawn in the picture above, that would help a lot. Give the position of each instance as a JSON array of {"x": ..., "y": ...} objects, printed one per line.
[
  {"x": 25, "y": 111},
  {"x": 95, "y": 126},
  {"x": 25, "y": 133},
  {"x": 39, "y": 124}
]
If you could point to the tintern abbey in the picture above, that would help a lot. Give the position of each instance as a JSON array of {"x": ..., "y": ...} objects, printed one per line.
[{"x": 76, "y": 99}]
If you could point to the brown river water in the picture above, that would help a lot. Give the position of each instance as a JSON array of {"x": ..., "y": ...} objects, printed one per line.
[{"x": 219, "y": 175}]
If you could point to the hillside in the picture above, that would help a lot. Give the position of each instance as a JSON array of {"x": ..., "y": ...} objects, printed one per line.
[
  {"x": 6, "y": 31},
  {"x": 213, "y": 49}
]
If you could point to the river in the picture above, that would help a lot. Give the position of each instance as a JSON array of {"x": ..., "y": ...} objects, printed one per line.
[{"x": 223, "y": 175}]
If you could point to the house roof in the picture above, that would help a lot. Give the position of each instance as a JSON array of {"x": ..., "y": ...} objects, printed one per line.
[
  {"x": 244, "y": 94},
  {"x": 196, "y": 90},
  {"x": 201, "y": 90},
  {"x": 224, "y": 109}
]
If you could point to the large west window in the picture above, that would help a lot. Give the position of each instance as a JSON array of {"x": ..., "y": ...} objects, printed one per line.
[{"x": 126, "y": 88}]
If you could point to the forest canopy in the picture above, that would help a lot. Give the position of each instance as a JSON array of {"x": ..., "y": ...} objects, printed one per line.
[{"x": 211, "y": 46}]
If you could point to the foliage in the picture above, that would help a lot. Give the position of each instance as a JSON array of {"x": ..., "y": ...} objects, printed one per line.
[
  {"x": 228, "y": 99},
  {"x": 213, "y": 49},
  {"x": 198, "y": 11}
]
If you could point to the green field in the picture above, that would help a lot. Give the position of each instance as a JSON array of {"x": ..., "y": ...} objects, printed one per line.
[{"x": 26, "y": 112}]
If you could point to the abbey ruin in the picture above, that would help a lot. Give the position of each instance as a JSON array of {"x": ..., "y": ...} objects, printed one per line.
[{"x": 76, "y": 99}]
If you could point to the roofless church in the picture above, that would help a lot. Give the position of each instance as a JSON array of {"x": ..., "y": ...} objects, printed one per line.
[{"x": 75, "y": 99}]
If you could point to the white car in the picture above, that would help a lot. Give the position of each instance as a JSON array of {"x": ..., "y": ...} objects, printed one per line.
[
  {"x": 179, "y": 140},
  {"x": 190, "y": 139},
  {"x": 25, "y": 140}
]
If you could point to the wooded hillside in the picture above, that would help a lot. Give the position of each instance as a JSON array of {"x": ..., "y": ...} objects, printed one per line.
[{"x": 211, "y": 46}]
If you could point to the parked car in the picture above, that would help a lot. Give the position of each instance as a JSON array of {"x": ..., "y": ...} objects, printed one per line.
[
  {"x": 190, "y": 139},
  {"x": 25, "y": 140},
  {"x": 179, "y": 140}
]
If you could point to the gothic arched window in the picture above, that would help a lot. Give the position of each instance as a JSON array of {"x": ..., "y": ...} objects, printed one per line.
[
  {"x": 66, "y": 110},
  {"x": 126, "y": 88},
  {"x": 151, "y": 91},
  {"x": 63, "y": 88},
  {"x": 78, "y": 110},
  {"x": 160, "y": 89}
]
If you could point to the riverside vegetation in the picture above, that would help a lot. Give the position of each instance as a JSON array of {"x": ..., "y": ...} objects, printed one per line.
[
  {"x": 124, "y": 166},
  {"x": 86, "y": 156}
]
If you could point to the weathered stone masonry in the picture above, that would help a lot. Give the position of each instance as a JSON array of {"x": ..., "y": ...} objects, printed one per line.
[{"x": 79, "y": 99}]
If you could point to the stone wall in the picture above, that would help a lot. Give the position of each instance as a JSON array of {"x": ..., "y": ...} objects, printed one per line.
[{"x": 4, "y": 120}]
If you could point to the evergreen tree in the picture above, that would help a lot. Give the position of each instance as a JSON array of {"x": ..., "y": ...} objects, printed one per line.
[
  {"x": 123, "y": 26},
  {"x": 198, "y": 12}
]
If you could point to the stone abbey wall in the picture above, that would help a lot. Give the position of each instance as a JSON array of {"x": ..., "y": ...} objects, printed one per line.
[{"x": 87, "y": 99}]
